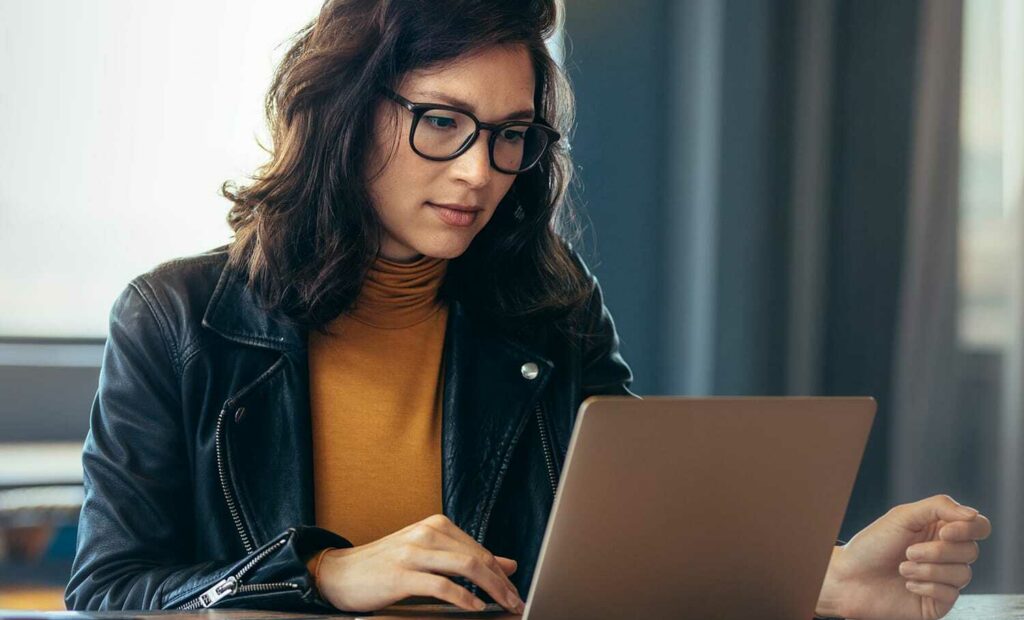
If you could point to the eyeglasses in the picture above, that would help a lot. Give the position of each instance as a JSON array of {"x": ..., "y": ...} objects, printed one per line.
[{"x": 442, "y": 133}]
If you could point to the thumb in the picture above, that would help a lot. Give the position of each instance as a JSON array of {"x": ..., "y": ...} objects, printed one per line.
[{"x": 921, "y": 514}]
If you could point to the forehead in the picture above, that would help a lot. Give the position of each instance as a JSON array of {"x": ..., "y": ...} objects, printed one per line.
[{"x": 496, "y": 80}]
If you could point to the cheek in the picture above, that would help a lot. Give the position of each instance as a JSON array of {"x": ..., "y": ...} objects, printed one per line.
[
  {"x": 390, "y": 160},
  {"x": 408, "y": 179},
  {"x": 397, "y": 188},
  {"x": 502, "y": 190}
]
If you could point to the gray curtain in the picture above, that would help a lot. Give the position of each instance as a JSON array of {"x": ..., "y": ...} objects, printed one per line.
[
  {"x": 1005, "y": 468},
  {"x": 951, "y": 432},
  {"x": 927, "y": 423},
  {"x": 776, "y": 214},
  {"x": 1008, "y": 470}
]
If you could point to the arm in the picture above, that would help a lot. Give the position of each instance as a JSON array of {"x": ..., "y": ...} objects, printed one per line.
[{"x": 135, "y": 537}]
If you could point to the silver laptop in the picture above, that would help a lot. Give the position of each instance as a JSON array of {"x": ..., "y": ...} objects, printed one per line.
[{"x": 699, "y": 508}]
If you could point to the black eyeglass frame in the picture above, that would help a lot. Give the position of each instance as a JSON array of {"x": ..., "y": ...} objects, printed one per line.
[{"x": 418, "y": 109}]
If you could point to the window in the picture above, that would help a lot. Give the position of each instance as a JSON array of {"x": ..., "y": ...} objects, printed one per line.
[
  {"x": 119, "y": 120},
  {"x": 992, "y": 169}
]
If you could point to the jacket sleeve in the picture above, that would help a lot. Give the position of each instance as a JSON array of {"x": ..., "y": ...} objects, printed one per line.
[
  {"x": 604, "y": 371},
  {"x": 135, "y": 547}
]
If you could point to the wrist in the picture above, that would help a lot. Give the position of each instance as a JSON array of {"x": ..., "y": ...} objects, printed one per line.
[
  {"x": 314, "y": 563},
  {"x": 829, "y": 603}
]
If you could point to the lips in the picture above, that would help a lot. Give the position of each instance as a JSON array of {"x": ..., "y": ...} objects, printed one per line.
[
  {"x": 454, "y": 207},
  {"x": 455, "y": 214}
]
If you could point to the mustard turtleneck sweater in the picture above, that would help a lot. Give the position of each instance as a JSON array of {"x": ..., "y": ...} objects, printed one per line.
[{"x": 375, "y": 388}]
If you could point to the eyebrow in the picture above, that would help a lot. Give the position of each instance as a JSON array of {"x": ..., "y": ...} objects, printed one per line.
[{"x": 459, "y": 103}]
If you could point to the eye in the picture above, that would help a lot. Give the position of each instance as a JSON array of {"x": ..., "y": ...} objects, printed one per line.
[
  {"x": 441, "y": 122},
  {"x": 512, "y": 135}
]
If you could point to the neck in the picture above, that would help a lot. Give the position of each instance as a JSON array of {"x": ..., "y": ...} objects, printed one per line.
[
  {"x": 391, "y": 250},
  {"x": 403, "y": 259}
]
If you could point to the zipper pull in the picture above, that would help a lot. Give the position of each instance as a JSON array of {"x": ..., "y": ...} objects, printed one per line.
[{"x": 223, "y": 589}]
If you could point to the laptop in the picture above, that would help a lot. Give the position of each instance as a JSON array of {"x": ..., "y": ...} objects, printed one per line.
[{"x": 699, "y": 508}]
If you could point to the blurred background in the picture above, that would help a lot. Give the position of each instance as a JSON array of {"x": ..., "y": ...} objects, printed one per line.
[{"x": 779, "y": 196}]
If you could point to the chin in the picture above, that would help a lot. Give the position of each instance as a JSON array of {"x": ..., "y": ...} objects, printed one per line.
[
  {"x": 450, "y": 243},
  {"x": 447, "y": 252}
]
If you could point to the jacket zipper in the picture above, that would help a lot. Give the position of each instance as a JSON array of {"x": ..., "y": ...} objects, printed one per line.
[
  {"x": 549, "y": 458},
  {"x": 552, "y": 477},
  {"x": 224, "y": 457},
  {"x": 231, "y": 585},
  {"x": 223, "y": 466}
]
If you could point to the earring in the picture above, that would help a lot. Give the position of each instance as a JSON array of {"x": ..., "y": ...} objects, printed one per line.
[{"x": 519, "y": 213}]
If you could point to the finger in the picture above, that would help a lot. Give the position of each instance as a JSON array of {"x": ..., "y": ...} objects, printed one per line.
[
  {"x": 508, "y": 565},
  {"x": 458, "y": 541},
  {"x": 444, "y": 525},
  {"x": 425, "y": 584},
  {"x": 938, "y": 591},
  {"x": 919, "y": 515},
  {"x": 470, "y": 567},
  {"x": 978, "y": 528},
  {"x": 956, "y": 575},
  {"x": 943, "y": 552},
  {"x": 432, "y": 533}
]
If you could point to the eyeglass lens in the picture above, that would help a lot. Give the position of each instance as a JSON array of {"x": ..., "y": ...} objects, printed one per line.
[{"x": 441, "y": 133}]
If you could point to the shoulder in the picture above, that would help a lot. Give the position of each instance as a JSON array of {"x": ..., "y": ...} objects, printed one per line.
[
  {"x": 581, "y": 265},
  {"x": 183, "y": 286},
  {"x": 185, "y": 279},
  {"x": 593, "y": 307},
  {"x": 171, "y": 299}
]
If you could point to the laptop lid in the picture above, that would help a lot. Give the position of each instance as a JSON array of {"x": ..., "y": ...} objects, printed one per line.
[{"x": 699, "y": 508}]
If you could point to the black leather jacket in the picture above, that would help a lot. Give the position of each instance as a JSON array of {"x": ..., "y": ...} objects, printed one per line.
[{"x": 198, "y": 464}]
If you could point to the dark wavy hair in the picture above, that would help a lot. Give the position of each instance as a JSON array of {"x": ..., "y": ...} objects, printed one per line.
[{"x": 305, "y": 230}]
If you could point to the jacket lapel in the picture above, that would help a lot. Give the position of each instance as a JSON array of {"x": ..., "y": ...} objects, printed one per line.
[
  {"x": 488, "y": 400},
  {"x": 270, "y": 442}
]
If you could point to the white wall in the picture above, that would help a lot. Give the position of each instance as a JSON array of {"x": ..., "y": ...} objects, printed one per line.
[{"x": 119, "y": 120}]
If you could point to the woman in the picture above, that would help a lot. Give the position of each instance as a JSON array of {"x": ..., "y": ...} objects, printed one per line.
[{"x": 393, "y": 347}]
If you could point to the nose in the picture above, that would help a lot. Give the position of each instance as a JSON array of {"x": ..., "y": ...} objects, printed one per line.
[{"x": 474, "y": 166}]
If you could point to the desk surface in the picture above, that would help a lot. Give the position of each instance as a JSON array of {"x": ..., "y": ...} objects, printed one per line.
[{"x": 969, "y": 607}]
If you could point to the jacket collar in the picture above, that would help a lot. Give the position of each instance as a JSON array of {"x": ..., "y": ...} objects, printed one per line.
[{"x": 235, "y": 313}]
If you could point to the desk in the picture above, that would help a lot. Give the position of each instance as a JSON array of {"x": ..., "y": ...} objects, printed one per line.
[{"x": 969, "y": 607}]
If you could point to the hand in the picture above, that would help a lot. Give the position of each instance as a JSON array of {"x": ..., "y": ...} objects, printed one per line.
[
  {"x": 413, "y": 562},
  {"x": 908, "y": 565}
]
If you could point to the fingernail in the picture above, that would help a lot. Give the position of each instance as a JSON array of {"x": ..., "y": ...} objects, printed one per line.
[
  {"x": 514, "y": 602},
  {"x": 914, "y": 554},
  {"x": 480, "y": 605},
  {"x": 967, "y": 511},
  {"x": 913, "y": 585}
]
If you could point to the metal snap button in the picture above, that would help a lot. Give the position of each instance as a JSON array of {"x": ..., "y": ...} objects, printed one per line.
[{"x": 530, "y": 371}]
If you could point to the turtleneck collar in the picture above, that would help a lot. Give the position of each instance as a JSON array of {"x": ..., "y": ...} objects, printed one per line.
[{"x": 397, "y": 295}]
